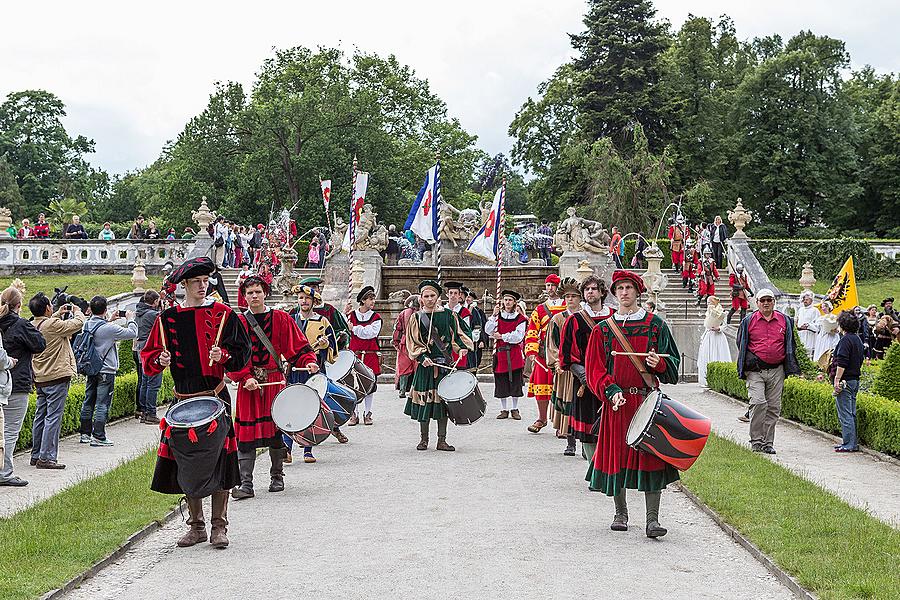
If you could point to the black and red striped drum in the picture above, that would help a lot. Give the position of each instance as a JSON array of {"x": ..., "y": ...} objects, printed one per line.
[
  {"x": 669, "y": 430},
  {"x": 300, "y": 412}
]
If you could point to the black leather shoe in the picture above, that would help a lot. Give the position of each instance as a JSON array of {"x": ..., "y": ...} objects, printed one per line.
[
  {"x": 769, "y": 450},
  {"x": 655, "y": 530},
  {"x": 14, "y": 482},
  {"x": 49, "y": 464}
]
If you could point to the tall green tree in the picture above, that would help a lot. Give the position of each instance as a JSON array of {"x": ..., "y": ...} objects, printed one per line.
[
  {"x": 883, "y": 178},
  {"x": 10, "y": 196},
  {"x": 619, "y": 59}
]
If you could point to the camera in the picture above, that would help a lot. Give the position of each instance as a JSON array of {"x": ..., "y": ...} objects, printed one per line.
[{"x": 121, "y": 313}]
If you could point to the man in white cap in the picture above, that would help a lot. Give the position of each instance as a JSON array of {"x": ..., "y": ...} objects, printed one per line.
[{"x": 766, "y": 356}]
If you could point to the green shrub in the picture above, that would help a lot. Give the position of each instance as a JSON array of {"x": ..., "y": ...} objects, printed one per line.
[
  {"x": 807, "y": 366},
  {"x": 123, "y": 404},
  {"x": 664, "y": 245},
  {"x": 810, "y": 402},
  {"x": 785, "y": 257},
  {"x": 887, "y": 381},
  {"x": 126, "y": 357}
]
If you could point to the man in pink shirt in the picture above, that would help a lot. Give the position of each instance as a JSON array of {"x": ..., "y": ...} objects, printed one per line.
[{"x": 765, "y": 343}]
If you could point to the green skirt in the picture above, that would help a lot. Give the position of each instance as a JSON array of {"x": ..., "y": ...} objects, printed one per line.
[
  {"x": 632, "y": 479},
  {"x": 424, "y": 403}
]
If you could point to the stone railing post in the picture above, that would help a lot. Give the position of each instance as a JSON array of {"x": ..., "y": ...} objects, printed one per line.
[
  {"x": 807, "y": 278},
  {"x": 203, "y": 216},
  {"x": 5, "y": 222},
  {"x": 739, "y": 217}
]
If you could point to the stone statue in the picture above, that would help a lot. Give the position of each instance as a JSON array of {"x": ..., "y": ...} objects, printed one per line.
[
  {"x": 485, "y": 206},
  {"x": 368, "y": 220},
  {"x": 378, "y": 239},
  {"x": 469, "y": 223},
  {"x": 337, "y": 237},
  {"x": 447, "y": 226},
  {"x": 399, "y": 296},
  {"x": 578, "y": 234},
  {"x": 5, "y": 221}
]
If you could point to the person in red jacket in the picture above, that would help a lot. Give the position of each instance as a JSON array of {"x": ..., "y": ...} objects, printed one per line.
[
  {"x": 740, "y": 287},
  {"x": 365, "y": 325},
  {"x": 507, "y": 328},
  {"x": 689, "y": 266},
  {"x": 42, "y": 228},
  {"x": 708, "y": 276}
]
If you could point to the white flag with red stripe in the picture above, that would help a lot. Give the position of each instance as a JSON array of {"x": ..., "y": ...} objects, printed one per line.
[
  {"x": 359, "y": 198},
  {"x": 326, "y": 193}
]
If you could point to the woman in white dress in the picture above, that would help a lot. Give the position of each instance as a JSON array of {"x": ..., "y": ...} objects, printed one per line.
[
  {"x": 713, "y": 343},
  {"x": 808, "y": 322},
  {"x": 826, "y": 340}
]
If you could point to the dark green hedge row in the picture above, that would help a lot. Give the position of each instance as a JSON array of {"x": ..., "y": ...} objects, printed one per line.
[
  {"x": 785, "y": 258},
  {"x": 810, "y": 402},
  {"x": 123, "y": 404},
  {"x": 887, "y": 380}
]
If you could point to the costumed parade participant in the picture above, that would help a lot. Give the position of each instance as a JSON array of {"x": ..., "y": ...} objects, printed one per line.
[
  {"x": 690, "y": 265},
  {"x": 365, "y": 326},
  {"x": 540, "y": 384},
  {"x": 455, "y": 298},
  {"x": 883, "y": 336},
  {"x": 827, "y": 338},
  {"x": 740, "y": 287},
  {"x": 242, "y": 275},
  {"x": 887, "y": 306},
  {"x": 622, "y": 382},
  {"x": 708, "y": 274},
  {"x": 807, "y": 322},
  {"x": 477, "y": 321},
  {"x": 273, "y": 334},
  {"x": 335, "y": 317},
  {"x": 206, "y": 339},
  {"x": 434, "y": 334},
  {"x": 506, "y": 326},
  {"x": 405, "y": 365},
  {"x": 713, "y": 343},
  {"x": 320, "y": 335},
  {"x": 572, "y": 354},
  {"x": 563, "y": 381},
  {"x": 677, "y": 235},
  {"x": 216, "y": 288}
]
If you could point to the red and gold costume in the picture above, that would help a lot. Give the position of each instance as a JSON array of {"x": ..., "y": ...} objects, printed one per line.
[
  {"x": 690, "y": 265},
  {"x": 253, "y": 418},
  {"x": 677, "y": 235},
  {"x": 540, "y": 384},
  {"x": 405, "y": 365}
]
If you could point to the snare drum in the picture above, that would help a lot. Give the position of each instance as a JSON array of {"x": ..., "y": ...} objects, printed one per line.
[
  {"x": 459, "y": 391},
  {"x": 299, "y": 412},
  {"x": 195, "y": 432},
  {"x": 353, "y": 373},
  {"x": 339, "y": 398},
  {"x": 668, "y": 429}
]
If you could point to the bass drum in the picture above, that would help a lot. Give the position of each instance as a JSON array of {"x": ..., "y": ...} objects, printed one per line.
[
  {"x": 339, "y": 398},
  {"x": 669, "y": 430},
  {"x": 353, "y": 373},
  {"x": 459, "y": 391}
]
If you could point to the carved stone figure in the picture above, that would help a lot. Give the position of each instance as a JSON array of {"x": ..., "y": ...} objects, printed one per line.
[
  {"x": 378, "y": 239},
  {"x": 337, "y": 237},
  {"x": 578, "y": 234},
  {"x": 447, "y": 227}
]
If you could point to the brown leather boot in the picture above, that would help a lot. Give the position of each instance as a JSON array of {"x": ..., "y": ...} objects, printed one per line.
[
  {"x": 443, "y": 445},
  {"x": 367, "y": 418},
  {"x": 197, "y": 531},
  {"x": 423, "y": 443},
  {"x": 514, "y": 413},
  {"x": 354, "y": 420},
  {"x": 504, "y": 414},
  {"x": 217, "y": 537}
]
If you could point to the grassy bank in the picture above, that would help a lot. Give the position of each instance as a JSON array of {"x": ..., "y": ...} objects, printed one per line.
[
  {"x": 86, "y": 286},
  {"x": 833, "y": 549},
  {"x": 871, "y": 291},
  {"x": 44, "y": 546}
]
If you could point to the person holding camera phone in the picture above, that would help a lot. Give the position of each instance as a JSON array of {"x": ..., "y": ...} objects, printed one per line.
[{"x": 98, "y": 391}]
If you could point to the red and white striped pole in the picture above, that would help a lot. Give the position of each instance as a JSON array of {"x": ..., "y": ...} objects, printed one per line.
[
  {"x": 352, "y": 227},
  {"x": 500, "y": 241}
]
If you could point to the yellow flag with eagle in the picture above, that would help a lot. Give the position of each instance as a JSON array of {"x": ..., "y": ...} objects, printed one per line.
[{"x": 842, "y": 295}]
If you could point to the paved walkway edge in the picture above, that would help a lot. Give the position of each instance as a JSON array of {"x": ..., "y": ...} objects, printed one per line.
[
  {"x": 823, "y": 434},
  {"x": 112, "y": 557},
  {"x": 783, "y": 576}
]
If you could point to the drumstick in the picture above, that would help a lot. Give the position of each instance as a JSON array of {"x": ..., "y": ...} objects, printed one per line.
[
  {"x": 616, "y": 353},
  {"x": 162, "y": 336},
  {"x": 300, "y": 369},
  {"x": 269, "y": 383},
  {"x": 219, "y": 334}
]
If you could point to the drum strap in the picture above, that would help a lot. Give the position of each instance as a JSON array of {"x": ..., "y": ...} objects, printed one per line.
[
  {"x": 214, "y": 392},
  {"x": 261, "y": 335},
  {"x": 620, "y": 335},
  {"x": 435, "y": 339}
]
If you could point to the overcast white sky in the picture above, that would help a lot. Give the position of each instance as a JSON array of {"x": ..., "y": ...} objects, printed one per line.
[{"x": 132, "y": 74}]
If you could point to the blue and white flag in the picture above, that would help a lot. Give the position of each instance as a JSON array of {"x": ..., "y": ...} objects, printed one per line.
[
  {"x": 423, "y": 216},
  {"x": 486, "y": 242}
]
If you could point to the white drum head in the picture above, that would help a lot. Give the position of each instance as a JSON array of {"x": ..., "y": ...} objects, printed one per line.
[
  {"x": 341, "y": 366},
  {"x": 641, "y": 418},
  {"x": 319, "y": 383},
  {"x": 295, "y": 408},
  {"x": 457, "y": 385}
]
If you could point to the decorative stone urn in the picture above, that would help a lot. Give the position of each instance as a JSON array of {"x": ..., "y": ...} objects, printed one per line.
[
  {"x": 655, "y": 280},
  {"x": 5, "y": 222},
  {"x": 583, "y": 271},
  {"x": 203, "y": 216},
  {"x": 139, "y": 276},
  {"x": 356, "y": 275},
  {"x": 739, "y": 217},
  {"x": 807, "y": 278}
]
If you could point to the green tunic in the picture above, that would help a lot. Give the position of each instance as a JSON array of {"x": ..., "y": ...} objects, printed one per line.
[{"x": 424, "y": 403}]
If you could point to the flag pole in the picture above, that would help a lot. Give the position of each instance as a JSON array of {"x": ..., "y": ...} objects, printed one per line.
[
  {"x": 500, "y": 239},
  {"x": 352, "y": 231},
  {"x": 437, "y": 208}
]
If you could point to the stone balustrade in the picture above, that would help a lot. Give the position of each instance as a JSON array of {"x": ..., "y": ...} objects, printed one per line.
[{"x": 34, "y": 256}]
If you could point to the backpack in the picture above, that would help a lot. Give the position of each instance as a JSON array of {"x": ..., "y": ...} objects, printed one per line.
[
  {"x": 256, "y": 240},
  {"x": 87, "y": 360}
]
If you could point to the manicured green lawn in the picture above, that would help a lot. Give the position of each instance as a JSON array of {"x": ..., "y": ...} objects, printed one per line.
[
  {"x": 44, "y": 546},
  {"x": 86, "y": 286},
  {"x": 871, "y": 291},
  {"x": 833, "y": 549}
]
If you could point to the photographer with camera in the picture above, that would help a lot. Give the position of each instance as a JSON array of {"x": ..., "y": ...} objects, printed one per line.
[
  {"x": 53, "y": 372},
  {"x": 98, "y": 392}
]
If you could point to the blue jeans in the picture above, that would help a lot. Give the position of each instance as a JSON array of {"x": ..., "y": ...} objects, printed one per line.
[
  {"x": 846, "y": 411},
  {"x": 98, "y": 395},
  {"x": 51, "y": 402},
  {"x": 140, "y": 374},
  {"x": 148, "y": 390}
]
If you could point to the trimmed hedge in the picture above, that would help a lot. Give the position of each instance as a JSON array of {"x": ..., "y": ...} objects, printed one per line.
[
  {"x": 123, "y": 404},
  {"x": 785, "y": 258},
  {"x": 887, "y": 380},
  {"x": 810, "y": 402}
]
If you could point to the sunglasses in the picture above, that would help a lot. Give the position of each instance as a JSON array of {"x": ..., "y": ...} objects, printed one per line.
[{"x": 766, "y": 300}]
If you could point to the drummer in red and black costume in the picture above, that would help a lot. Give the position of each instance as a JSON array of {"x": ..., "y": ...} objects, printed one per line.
[
  {"x": 506, "y": 327},
  {"x": 616, "y": 380},
  {"x": 456, "y": 297},
  {"x": 572, "y": 352},
  {"x": 365, "y": 325},
  {"x": 255, "y": 427},
  {"x": 540, "y": 384},
  {"x": 190, "y": 331}
]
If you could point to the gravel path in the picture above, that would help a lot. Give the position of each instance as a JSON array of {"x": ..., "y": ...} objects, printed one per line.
[
  {"x": 505, "y": 516},
  {"x": 860, "y": 479},
  {"x": 82, "y": 461}
]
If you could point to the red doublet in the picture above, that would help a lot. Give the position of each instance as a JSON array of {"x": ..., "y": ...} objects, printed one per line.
[
  {"x": 708, "y": 276},
  {"x": 515, "y": 356},
  {"x": 689, "y": 265},
  {"x": 365, "y": 350},
  {"x": 676, "y": 236},
  {"x": 540, "y": 384},
  {"x": 405, "y": 365},
  {"x": 739, "y": 302},
  {"x": 253, "y": 417}
]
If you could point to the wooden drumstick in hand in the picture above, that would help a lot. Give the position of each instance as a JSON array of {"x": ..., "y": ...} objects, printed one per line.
[
  {"x": 219, "y": 334},
  {"x": 642, "y": 354}
]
